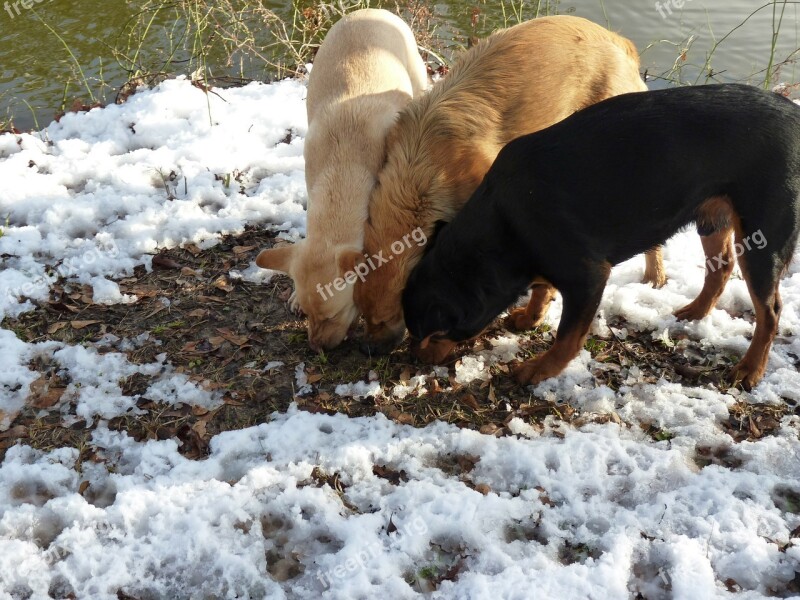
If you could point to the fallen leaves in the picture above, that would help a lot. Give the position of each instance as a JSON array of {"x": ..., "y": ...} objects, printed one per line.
[
  {"x": 9, "y": 437},
  {"x": 57, "y": 326},
  {"x": 224, "y": 284},
  {"x": 160, "y": 261},
  {"x": 392, "y": 476},
  {"x": 749, "y": 421},
  {"x": 235, "y": 339},
  {"x": 78, "y": 325},
  {"x": 469, "y": 401},
  {"x": 45, "y": 392}
]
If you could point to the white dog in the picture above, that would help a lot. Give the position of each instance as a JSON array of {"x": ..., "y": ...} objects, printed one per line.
[{"x": 365, "y": 72}]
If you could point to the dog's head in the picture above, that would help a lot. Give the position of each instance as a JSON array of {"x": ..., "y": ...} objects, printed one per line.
[
  {"x": 442, "y": 308},
  {"x": 323, "y": 281},
  {"x": 439, "y": 312}
]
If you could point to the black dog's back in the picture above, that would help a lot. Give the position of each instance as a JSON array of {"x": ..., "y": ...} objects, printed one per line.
[{"x": 638, "y": 166}]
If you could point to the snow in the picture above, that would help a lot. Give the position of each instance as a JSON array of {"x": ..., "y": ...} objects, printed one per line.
[{"x": 598, "y": 509}]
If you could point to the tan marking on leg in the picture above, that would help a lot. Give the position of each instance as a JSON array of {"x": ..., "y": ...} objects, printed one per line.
[
  {"x": 654, "y": 273},
  {"x": 580, "y": 308},
  {"x": 716, "y": 246},
  {"x": 554, "y": 360},
  {"x": 532, "y": 315},
  {"x": 751, "y": 368}
]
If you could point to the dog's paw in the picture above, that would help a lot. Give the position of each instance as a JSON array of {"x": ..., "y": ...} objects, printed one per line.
[
  {"x": 746, "y": 375},
  {"x": 294, "y": 304},
  {"x": 692, "y": 312},
  {"x": 535, "y": 370},
  {"x": 657, "y": 280},
  {"x": 519, "y": 320}
]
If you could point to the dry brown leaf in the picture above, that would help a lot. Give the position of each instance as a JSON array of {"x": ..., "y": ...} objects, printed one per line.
[
  {"x": 192, "y": 248},
  {"x": 483, "y": 489},
  {"x": 239, "y": 250},
  {"x": 200, "y": 428},
  {"x": 83, "y": 487},
  {"x": 405, "y": 375},
  {"x": 57, "y": 326},
  {"x": 199, "y": 313},
  {"x": 391, "y": 412},
  {"x": 164, "y": 262},
  {"x": 47, "y": 397},
  {"x": 216, "y": 341},
  {"x": 143, "y": 292},
  {"x": 543, "y": 497},
  {"x": 201, "y": 346},
  {"x": 314, "y": 378},
  {"x": 223, "y": 284},
  {"x": 16, "y": 432},
  {"x": 238, "y": 340},
  {"x": 249, "y": 372},
  {"x": 82, "y": 324},
  {"x": 231, "y": 402},
  {"x": 189, "y": 272},
  {"x": 492, "y": 397},
  {"x": 469, "y": 401},
  {"x": 405, "y": 419},
  {"x": 754, "y": 430},
  {"x": 489, "y": 429}
]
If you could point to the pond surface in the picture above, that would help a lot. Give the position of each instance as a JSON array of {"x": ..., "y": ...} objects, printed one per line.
[{"x": 40, "y": 47}]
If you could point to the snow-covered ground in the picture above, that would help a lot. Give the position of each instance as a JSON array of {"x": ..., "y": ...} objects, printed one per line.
[{"x": 309, "y": 505}]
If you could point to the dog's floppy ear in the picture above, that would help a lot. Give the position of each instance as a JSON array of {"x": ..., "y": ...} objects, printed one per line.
[
  {"x": 425, "y": 341},
  {"x": 277, "y": 259},
  {"x": 347, "y": 258}
]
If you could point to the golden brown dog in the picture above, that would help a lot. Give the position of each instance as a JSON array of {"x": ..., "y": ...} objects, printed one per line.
[
  {"x": 517, "y": 81},
  {"x": 367, "y": 69}
]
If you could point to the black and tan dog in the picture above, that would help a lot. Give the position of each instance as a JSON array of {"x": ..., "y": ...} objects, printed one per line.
[{"x": 560, "y": 207}]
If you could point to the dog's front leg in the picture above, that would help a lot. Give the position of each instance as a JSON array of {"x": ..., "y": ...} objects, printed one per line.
[
  {"x": 532, "y": 315},
  {"x": 654, "y": 273},
  {"x": 581, "y": 299}
]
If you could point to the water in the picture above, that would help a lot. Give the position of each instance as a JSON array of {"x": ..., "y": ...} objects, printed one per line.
[{"x": 37, "y": 72}]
